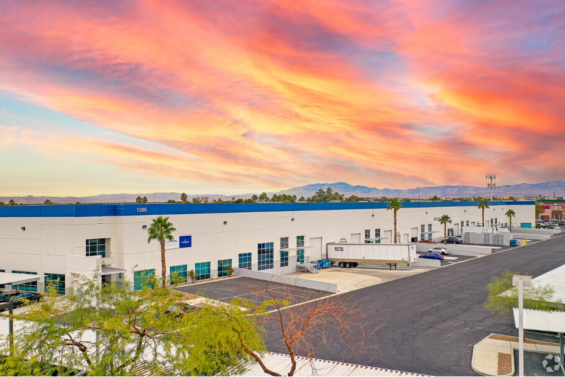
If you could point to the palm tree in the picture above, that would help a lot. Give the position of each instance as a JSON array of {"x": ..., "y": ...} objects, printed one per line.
[
  {"x": 161, "y": 230},
  {"x": 145, "y": 199},
  {"x": 139, "y": 199},
  {"x": 510, "y": 213},
  {"x": 483, "y": 203},
  {"x": 11, "y": 202},
  {"x": 444, "y": 220},
  {"x": 394, "y": 205},
  {"x": 48, "y": 202},
  {"x": 254, "y": 197},
  {"x": 183, "y": 198}
]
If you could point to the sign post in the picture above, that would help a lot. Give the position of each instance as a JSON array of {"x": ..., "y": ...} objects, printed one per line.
[{"x": 521, "y": 281}]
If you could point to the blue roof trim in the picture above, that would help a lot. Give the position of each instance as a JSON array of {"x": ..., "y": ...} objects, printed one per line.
[{"x": 180, "y": 209}]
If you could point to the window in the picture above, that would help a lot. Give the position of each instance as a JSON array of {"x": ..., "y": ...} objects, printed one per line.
[
  {"x": 96, "y": 247},
  {"x": 143, "y": 279},
  {"x": 300, "y": 252},
  {"x": 422, "y": 236},
  {"x": 31, "y": 286},
  {"x": 265, "y": 256},
  {"x": 202, "y": 271},
  {"x": 468, "y": 223},
  {"x": 245, "y": 261},
  {"x": 473, "y": 223},
  {"x": 223, "y": 267},
  {"x": 55, "y": 280},
  {"x": 367, "y": 236},
  {"x": 423, "y": 228},
  {"x": 179, "y": 274},
  {"x": 429, "y": 228},
  {"x": 377, "y": 235},
  {"x": 284, "y": 253}
]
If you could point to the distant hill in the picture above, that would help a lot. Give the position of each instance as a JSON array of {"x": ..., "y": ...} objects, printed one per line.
[{"x": 546, "y": 189}]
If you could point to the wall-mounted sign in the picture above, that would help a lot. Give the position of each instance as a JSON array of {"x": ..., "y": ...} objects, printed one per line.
[
  {"x": 338, "y": 248},
  {"x": 179, "y": 242},
  {"x": 185, "y": 241}
]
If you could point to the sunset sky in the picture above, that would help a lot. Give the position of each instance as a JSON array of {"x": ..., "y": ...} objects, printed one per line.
[{"x": 247, "y": 96}]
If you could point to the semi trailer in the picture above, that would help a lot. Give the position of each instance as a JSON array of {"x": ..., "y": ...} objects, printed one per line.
[{"x": 347, "y": 255}]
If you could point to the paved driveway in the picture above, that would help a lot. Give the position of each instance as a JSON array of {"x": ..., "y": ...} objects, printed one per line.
[{"x": 431, "y": 321}]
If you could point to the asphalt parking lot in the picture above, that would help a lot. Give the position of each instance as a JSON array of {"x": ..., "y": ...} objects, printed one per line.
[
  {"x": 430, "y": 322},
  {"x": 256, "y": 291}
]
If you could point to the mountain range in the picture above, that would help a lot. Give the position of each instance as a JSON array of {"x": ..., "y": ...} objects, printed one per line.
[{"x": 548, "y": 189}]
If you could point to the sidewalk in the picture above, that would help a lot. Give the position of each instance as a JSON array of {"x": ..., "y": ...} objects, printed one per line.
[{"x": 494, "y": 355}]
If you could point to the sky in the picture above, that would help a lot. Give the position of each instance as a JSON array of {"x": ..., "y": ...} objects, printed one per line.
[{"x": 232, "y": 97}]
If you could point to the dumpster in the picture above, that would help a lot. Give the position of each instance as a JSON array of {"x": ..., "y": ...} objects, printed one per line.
[
  {"x": 327, "y": 263},
  {"x": 513, "y": 242},
  {"x": 320, "y": 265}
]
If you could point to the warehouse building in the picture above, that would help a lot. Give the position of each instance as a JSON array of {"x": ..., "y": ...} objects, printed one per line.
[{"x": 61, "y": 243}]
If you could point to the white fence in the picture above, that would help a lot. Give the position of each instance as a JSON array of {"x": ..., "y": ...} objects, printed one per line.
[{"x": 289, "y": 280}]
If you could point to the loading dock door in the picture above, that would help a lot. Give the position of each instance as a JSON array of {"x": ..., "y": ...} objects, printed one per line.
[
  {"x": 388, "y": 237},
  {"x": 316, "y": 250},
  {"x": 456, "y": 227},
  {"x": 405, "y": 238},
  {"x": 355, "y": 237}
]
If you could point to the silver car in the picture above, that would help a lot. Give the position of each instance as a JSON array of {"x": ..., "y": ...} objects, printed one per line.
[{"x": 439, "y": 250}]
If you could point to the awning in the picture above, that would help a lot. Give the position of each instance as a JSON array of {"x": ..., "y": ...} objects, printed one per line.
[
  {"x": 542, "y": 320},
  {"x": 7, "y": 278},
  {"x": 111, "y": 271}
]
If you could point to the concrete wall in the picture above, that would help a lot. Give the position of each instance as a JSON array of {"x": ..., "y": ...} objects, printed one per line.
[
  {"x": 421, "y": 262},
  {"x": 283, "y": 279},
  {"x": 517, "y": 229},
  {"x": 531, "y": 236},
  {"x": 457, "y": 249}
]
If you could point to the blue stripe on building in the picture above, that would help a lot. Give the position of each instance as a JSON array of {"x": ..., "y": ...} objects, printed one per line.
[{"x": 186, "y": 209}]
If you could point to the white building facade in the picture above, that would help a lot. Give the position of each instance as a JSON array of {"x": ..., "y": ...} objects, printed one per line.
[{"x": 63, "y": 242}]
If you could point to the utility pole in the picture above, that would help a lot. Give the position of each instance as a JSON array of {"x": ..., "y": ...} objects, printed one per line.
[
  {"x": 521, "y": 282},
  {"x": 491, "y": 178}
]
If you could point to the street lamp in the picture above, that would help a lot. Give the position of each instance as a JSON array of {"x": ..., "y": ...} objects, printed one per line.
[{"x": 521, "y": 281}]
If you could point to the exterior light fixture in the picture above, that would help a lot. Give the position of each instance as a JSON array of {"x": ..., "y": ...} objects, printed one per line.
[
  {"x": 292, "y": 219},
  {"x": 225, "y": 223},
  {"x": 144, "y": 227},
  {"x": 373, "y": 215},
  {"x": 24, "y": 228}
]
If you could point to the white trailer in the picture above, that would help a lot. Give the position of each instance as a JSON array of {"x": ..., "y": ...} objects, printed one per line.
[{"x": 350, "y": 254}]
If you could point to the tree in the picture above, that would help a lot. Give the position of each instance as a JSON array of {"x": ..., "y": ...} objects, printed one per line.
[
  {"x": 483, "y": 203},
  {"x": 145, "y": 199},
  {"x": 444, "y": 220},
  {"x": 48, "y": 202},
  {"x": 301, "y": 199},
  {"x": 302, "y": 329},
  {"x": 11, "y": 202},
  {"x": 2, "y": 204},
  {"x": 263, "y": 197},
  {"x": 129, "y": 330},
  {"x": 510, "y": 213},
  {"x": 395, "y": 205},
  {"x": 254, "y": 198},
  {"x": 183, "y": 198},
  {"x": 435, "y": 198},
  {"x": 353, "y": 199},
  {"x": 196, "y": 201},
  {"x": 139, "y": 199},
  {"x": 503, "y": 296},
  {"x": 161, "y": 230}
]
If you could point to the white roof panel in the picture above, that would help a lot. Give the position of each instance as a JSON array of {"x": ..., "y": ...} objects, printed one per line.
[
  {"x": 306, "y": 366},
  {"x": 542, "y": 320},
  {"x": 9, "y": 278}
]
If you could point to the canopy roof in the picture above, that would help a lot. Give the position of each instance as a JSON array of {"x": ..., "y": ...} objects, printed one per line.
[
  {"x": 15, "y": 279},
  {"x": 542, "y": 320}
]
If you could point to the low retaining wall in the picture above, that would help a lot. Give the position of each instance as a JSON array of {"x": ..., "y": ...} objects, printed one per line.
[
  {"x": 531, "y": 236},
  {"x": 290, "y": 280},
  {"x": 421, "y": 262},
  {"x": 550, "y": 232},
  {"x": 457, "y": 249}
]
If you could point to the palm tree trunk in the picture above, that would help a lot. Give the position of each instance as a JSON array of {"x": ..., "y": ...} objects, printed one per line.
[
  {"x": 483, "y": 217},
  {"x": 445, "y": 234},
  {"x": 163, "y": 265},
  {"x": 510, "y": 223},
  {"x": 395, "y": 226}
]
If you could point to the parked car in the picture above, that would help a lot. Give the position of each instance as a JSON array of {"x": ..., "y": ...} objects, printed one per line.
[
  {"x": 5, "y": 296},
  {"x": 24, "y": 299},
  {"x": 439, "y": 250},
  {"x": 427, "y": 241},
  {"x": 452, "y": 239},
  {"x": 431, "y": 256}
]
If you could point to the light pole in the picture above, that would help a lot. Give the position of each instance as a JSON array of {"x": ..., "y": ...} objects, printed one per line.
[
  {"x": 521, "y": 281},
  {"x": 491, "y": 178}
]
